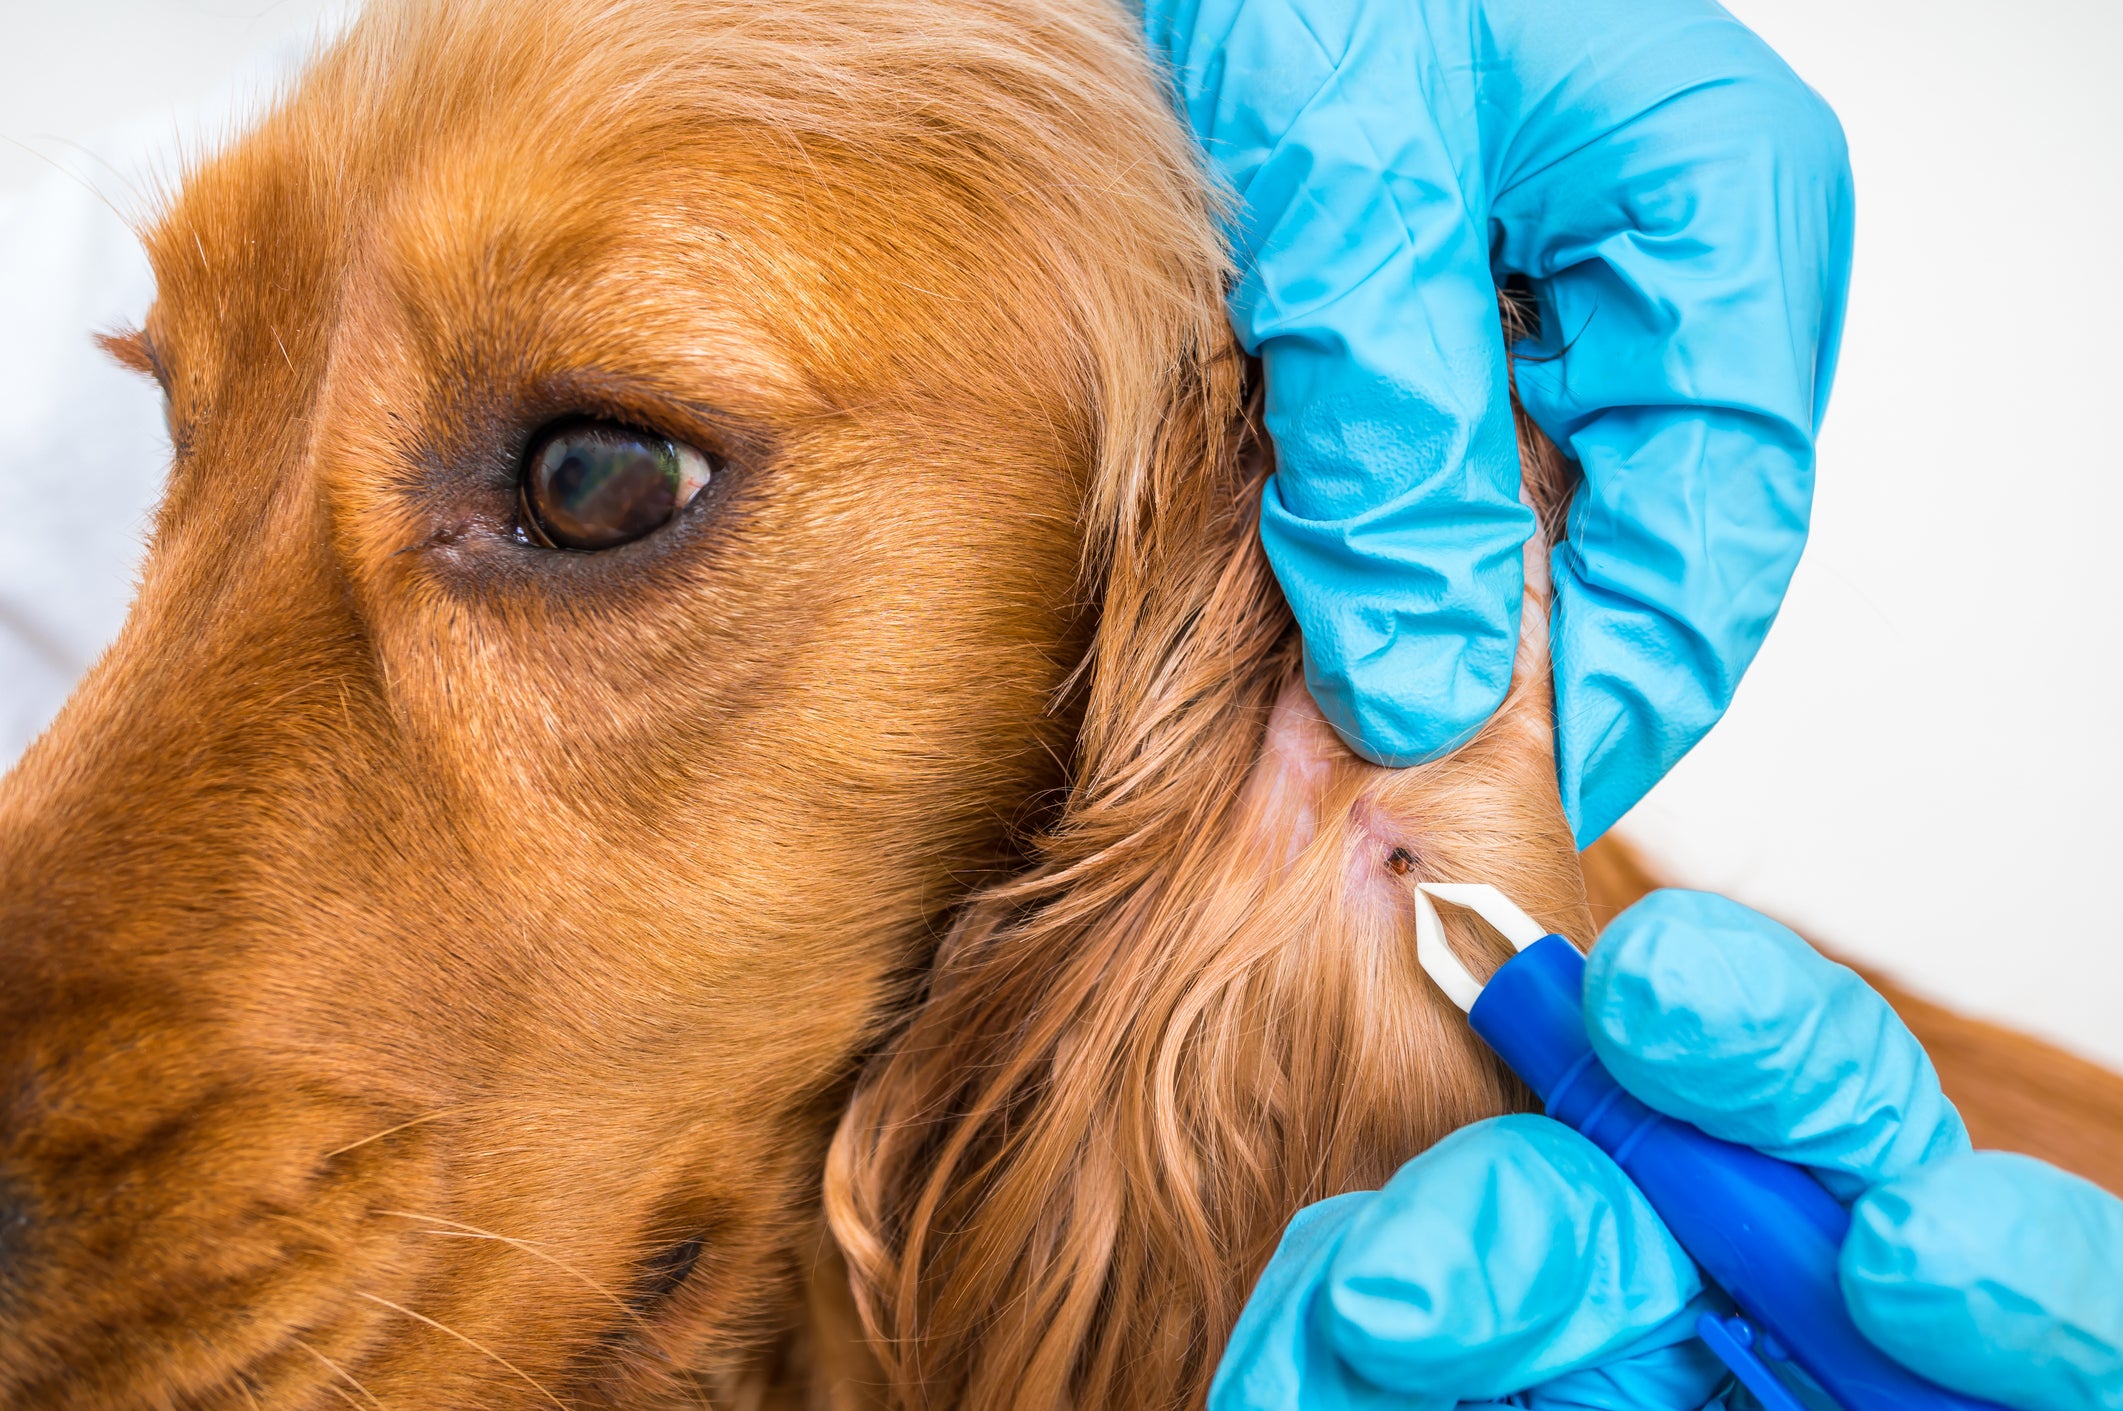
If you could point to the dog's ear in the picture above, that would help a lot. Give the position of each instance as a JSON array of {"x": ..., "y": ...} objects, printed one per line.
[{"x": 1200, "y": 1010}]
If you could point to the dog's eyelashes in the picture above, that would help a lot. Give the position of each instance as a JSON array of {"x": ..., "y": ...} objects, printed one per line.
[{"x": 597, "y": 484}]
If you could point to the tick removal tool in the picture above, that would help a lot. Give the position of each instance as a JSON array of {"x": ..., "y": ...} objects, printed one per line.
[{"x": 1763, "y": 1230}]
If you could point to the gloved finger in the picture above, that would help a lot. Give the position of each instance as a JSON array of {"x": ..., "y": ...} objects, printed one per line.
[
  {"x": 1393, "y": 521},
  {"x": 1276, "y": 1360},
  {"x": 1997, "y": 1275},
  {"x": 1512, "y": 1254},
  {"x": 1682, "y": 204},
  {"x": 1716, "y": 1014}
]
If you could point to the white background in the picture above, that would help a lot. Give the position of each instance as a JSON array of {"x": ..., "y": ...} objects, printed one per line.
[{"x": 1924, "y": 767}]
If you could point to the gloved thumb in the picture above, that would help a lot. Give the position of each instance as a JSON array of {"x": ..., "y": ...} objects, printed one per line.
[
  {"x": 1713, "y": 1013},
  {"x": 1997, "y": 1275}
]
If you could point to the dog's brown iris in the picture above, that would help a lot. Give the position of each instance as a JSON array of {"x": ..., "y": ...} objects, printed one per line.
[{"x": 596, "y": 485}]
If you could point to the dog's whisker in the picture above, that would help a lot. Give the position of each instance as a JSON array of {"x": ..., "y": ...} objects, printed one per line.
[
  {"x": 387, "y": 1131},
  {"x": 340, "y": 1372},
  {"x": 479, "y": 1347},
  {"x": 460, "y": 1230}
]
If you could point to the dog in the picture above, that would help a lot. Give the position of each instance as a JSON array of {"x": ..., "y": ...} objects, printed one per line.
[{"x": 707, "y": 798}]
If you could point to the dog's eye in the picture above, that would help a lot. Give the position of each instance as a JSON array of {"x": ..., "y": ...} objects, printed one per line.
[{"x": 595, "y": 485}]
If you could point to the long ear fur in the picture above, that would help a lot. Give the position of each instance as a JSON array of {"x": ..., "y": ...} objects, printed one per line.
[{"x": 1200, "y": 1010}]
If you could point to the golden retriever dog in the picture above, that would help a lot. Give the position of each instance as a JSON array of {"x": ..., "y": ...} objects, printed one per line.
[{"x": 705, "y": 801}]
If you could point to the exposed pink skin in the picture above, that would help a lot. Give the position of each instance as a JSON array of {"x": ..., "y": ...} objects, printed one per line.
[
  {"x": 1305, "y": 770},
  {"x": 1300, "y": 757},
  {"x": 1385, "y": 856},
  {"x": 1302, "y": 763}
]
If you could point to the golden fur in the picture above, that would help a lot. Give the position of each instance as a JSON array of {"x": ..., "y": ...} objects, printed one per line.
[
  {"x": 1199, "y": 1009},
  {"x": 443, "y": 972}
]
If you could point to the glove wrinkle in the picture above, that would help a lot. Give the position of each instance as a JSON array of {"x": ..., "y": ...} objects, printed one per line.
[
  {"x": 1459, "y": 1281},
  {"x": 1680, "y": 202},
  {"x": 1713, "y": 1014}
]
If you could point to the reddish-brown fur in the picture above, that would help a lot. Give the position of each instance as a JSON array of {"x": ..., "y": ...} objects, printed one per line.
[{"x": 438, "y": 969}]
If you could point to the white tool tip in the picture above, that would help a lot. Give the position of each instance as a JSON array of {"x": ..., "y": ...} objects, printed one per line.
[
  {"x": 1437, "y": 958},
  {"x": 1492, "y": 906}
]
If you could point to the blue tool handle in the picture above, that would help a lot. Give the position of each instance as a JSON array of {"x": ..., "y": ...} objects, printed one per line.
[{"x": 1763, "y": 1230}]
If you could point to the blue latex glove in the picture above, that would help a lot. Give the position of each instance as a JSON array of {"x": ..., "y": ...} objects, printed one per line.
[
  {"x": 1682, "y": 205},
  {"x": 1515, "y": 1259}
]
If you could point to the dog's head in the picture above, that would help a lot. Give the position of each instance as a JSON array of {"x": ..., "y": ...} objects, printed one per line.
[
  {"x": 671, "y": 500},
  {"x": 439, "y": 936}
]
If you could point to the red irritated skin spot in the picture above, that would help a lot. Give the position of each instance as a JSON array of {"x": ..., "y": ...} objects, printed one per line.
[
  {"x": 1485, "y": 813},
  {"x": 1303, "y": 767},
  {"x": 1470, "y": 816}
]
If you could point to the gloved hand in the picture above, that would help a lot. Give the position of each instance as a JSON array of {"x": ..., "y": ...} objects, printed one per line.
[
  {"x": 1515, "y": 1259},
  {"x": 1681, "y": 203}
]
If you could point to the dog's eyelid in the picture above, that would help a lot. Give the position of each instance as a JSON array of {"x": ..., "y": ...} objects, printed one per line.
[
  {"x": 722, "y": 436},
  {"x": 705, "y": 432}
]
